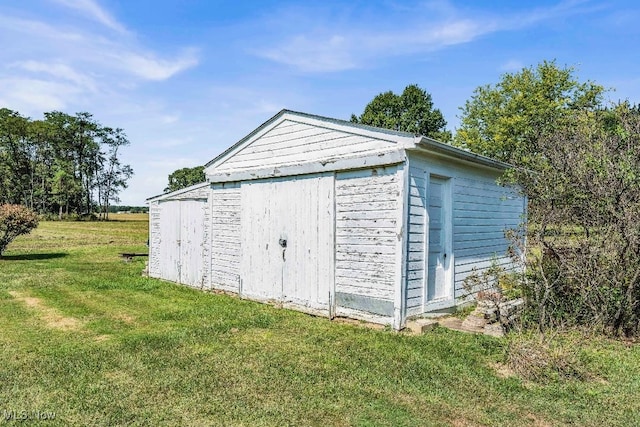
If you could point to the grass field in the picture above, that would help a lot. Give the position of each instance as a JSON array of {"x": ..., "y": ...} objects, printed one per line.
[{"x": 88, "y": 339}]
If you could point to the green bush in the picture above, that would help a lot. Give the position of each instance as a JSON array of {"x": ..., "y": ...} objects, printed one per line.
[{"x": 15, "y": 220}]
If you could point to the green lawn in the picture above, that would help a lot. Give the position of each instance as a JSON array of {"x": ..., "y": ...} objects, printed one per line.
[{"x": 84, "y": 336}]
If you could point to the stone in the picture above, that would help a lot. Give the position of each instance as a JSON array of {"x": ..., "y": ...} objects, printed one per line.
[
  {"x": 420, "y": 326},
  {"x": 494, "y": 330},
  {"x": 475, "y": 320}
]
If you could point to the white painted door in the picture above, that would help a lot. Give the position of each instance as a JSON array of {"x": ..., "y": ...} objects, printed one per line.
[
  {"x": 191, "y": 242},
  {"x": 288, "y": 240},
  {"x": 169, "y": 245},
  {"x": 439, "y": 287}
]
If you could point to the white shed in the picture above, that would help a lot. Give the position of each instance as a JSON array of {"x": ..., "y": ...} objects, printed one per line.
[{"x": 335, "y": 218}]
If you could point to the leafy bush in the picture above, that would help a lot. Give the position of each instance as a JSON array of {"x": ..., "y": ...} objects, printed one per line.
[
  {"x": 583, "y": 254},
  {"x": 15, "y": 220}
]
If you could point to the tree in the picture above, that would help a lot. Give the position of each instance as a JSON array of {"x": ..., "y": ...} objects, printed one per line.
[
  {"x": 412, "y": 111},
  {"x": 114, "y": 176},
  {"x": 185, "y": 177},
  {"x": 15, "y": 220},
  {"x": 506, "y": 121},
  {"x": 585, "y": 204},
  {"x": 59, "y": 163}
]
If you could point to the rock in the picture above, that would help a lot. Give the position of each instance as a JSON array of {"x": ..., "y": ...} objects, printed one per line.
[
  {"x": 420, "y": 326},
  {"x": 494, "y": 330},
  {"x": 475, "y": 320}
]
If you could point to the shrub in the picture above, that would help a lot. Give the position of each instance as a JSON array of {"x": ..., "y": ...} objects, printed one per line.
[
  {"x": 15, "y": 220},
  {"x": 583, "y": 254}
]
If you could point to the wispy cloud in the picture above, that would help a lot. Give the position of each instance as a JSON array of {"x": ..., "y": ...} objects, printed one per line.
[
  {"x": 59, "y": 71},
  {"x": 512, "y": 65},
  {"x": 94, "y": 11},
  {"x": 50, "y": 64},
  {"x": 330, "y": 46}
]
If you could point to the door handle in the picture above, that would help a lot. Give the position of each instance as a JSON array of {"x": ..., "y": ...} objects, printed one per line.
[{"x": 283, "y": 243}]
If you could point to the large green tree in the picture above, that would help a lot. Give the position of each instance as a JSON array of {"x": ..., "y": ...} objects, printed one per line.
[
  {"x": 185, "y": 177},
  {"x": 412, "y": 111},
  {"x": 505, "y": 121}
]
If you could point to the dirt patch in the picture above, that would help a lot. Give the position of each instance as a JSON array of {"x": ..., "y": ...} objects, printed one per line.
[
  {"x": 51, "y": 317},
  {"x": 360, "y": 323},
  {"x": 129, "y": 320},
  {"x": 503, "y": 371}
]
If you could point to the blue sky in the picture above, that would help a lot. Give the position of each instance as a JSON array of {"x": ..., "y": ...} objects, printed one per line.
[{"x": 186, "y": 79}]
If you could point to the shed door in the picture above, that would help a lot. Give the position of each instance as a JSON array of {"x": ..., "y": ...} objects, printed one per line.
[
  {"x": 169, "y": 249},
  {"x": 288, "y": 240},
  {"x": 439, "y": 289},
  {"x": 181, "y": 241},
  {"x": 191, "y": 242}
]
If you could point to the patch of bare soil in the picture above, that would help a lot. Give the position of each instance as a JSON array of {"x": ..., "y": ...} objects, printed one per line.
[
  {"x": 50, "y": 316},
  {"x": 361, "y": 323}
]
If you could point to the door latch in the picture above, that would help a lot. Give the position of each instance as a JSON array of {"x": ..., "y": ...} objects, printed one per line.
[{"x": 283, "y": 243}]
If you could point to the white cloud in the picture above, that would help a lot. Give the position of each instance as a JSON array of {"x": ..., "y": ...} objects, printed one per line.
[
  {"x": 58, "y": 70},
  {"x": 32, "y": 96},
  {"x": 329, "y": 46},
  {"x": 151, "y": 68},
  {"x": 95, "y": 12}
]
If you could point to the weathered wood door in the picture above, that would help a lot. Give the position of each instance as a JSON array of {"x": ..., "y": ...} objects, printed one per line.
[
  {"x": 181, "y": 242},
  {"x": 191, "y": 242},
  {"x": 169, "y": 248},
  {"x": 288, "y": 240},
  {"x": 439, "y": 288}
]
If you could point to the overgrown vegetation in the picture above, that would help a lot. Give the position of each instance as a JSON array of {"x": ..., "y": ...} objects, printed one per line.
[
  {"x": 84, "y": 336},
  {"x": 15, "y": 220},
  {"x": 62, "y": 164},
  {"x": 585, "y": 204},
  {"x": 578, "y": 163}
]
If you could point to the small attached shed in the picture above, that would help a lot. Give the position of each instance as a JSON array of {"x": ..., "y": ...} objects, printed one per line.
[{"x": 335, "y": 218}]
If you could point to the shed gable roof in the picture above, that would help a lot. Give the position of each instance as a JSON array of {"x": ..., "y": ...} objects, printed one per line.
[
  {"x": 292, "y": 138},
  {"x": 294, "y": 143}
]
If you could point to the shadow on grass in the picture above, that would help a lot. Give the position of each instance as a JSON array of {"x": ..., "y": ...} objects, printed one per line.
[{"x": 33, "y": 257}]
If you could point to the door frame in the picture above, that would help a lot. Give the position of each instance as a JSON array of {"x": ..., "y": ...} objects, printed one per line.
[{"x": 447, "y": 219}]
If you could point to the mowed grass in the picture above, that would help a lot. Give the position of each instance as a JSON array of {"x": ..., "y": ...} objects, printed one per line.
[{"x": 84, "y": 336}]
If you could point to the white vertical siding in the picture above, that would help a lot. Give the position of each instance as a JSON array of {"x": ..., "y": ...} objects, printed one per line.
[
  {"x": 225, "y": 236},
  {"x": 287, "y": 240},
  {"x": 178, "y": 236},
  {"x": 367, "y": 206}
]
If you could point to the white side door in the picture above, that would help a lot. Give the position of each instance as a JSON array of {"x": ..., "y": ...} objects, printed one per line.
[{"x": 439, "y": 290}]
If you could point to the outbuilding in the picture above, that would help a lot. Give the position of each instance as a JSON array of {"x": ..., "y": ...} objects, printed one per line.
[{"x": 338, "y": 219}]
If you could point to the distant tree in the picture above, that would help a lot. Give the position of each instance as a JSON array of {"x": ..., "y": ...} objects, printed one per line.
[
  {"x": 185, "y": 177},
  {"x": 506, "y": 121},
  {"x": 412, "y": 111},
  {"x": 15, "y": 220}
]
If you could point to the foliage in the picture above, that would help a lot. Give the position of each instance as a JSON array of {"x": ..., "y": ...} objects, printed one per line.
[
  {"x": 494, "y": 279},
  {"x": 584, "y": 246},
  {"x": 185, "y": 177},
  {"x": 64, "y": 164},
  {"x": 506, "y": 120},
  {"x": 99, "y": 344},
  {"x": 15, "y": 220},
  {"x": 412, "y": 111}
]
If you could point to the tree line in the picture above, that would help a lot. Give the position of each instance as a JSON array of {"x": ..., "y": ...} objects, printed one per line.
[{"x": 61, "y": 165}]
